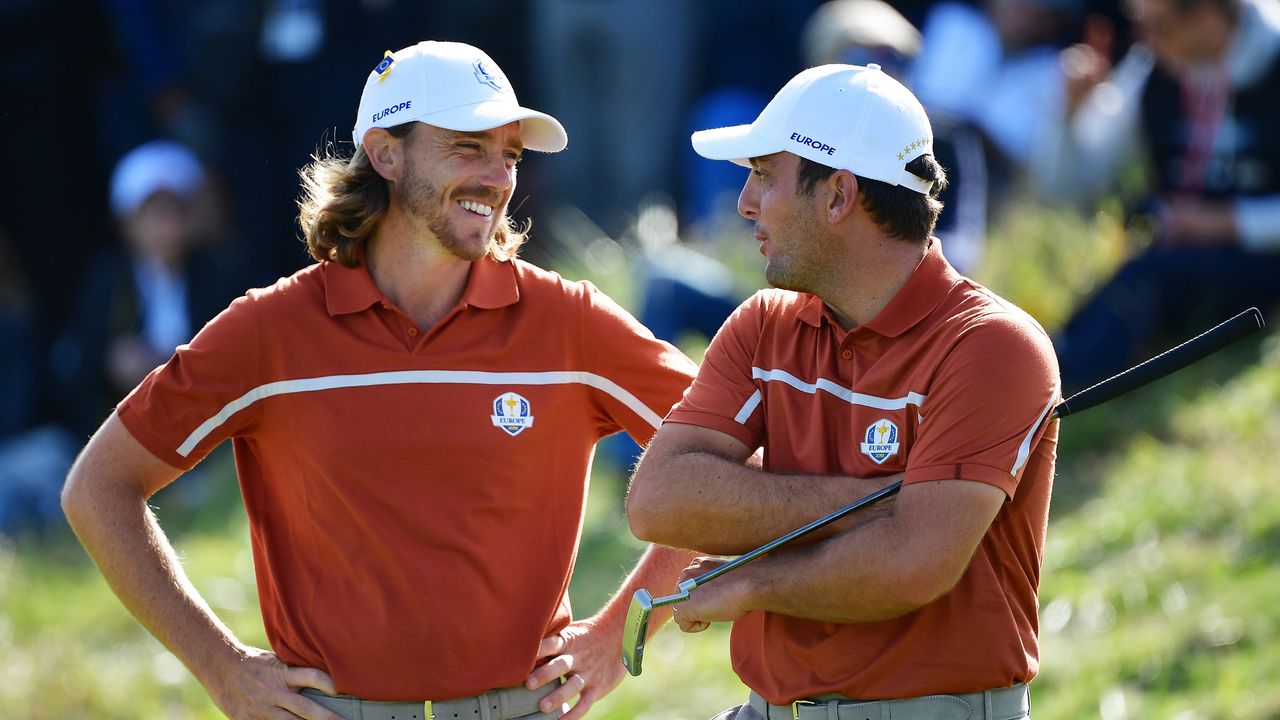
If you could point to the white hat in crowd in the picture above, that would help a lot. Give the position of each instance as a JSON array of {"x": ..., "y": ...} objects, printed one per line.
[
  {"x": 453, "y": 86},
  {"x": 150, "y": 168},
  {"x": 843, "y": 116},
  {"x": 839, "y": 24}
]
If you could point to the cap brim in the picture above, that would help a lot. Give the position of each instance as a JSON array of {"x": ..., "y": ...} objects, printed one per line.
[
  {"x": 737, "y": 144},
  {"x": 538, "y": 131}
]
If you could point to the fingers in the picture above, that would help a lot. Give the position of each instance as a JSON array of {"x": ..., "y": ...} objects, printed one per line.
[
  {"x": 551, "y": 645},
  {"x": 558, "y": 666},
  {"x": 298, "y": 706},
  {"x": 692, "y": 626},
  {"x": 689, "y": 624},
  {"x": 574, "y": 684},
  {"x": 581, "y": 707},
  {"x": 300, "y": 677}
]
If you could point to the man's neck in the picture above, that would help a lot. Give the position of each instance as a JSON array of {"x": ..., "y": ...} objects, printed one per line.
[
  {"x": 869, "y": 283},
  {"x": 417, "y": 274}
]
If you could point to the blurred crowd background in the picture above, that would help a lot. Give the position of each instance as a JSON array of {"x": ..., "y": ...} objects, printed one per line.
[{"x": 155, "y": 146}]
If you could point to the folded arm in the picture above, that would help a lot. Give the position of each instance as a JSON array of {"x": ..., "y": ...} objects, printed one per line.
[
  {"x": 892, "y": 564},
  {"x": 696, "y": 488}
]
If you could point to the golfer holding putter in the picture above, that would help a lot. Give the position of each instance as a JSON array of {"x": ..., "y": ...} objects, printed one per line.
[
  {"x": 872, "y": 360},
  {"x": 413, "y": 418}
]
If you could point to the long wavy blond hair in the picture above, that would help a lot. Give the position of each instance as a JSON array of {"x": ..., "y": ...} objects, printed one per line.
[{"x": 343, "y": 200}]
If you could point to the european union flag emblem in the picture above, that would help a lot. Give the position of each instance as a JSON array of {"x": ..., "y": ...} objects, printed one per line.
[{"x": 384, "y": 67}]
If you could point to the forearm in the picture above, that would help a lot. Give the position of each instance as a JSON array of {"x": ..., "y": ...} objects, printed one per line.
[
  {"x": 657, "y": 571},
  {"x": 852, "y": 578},
  {"x": 718, "y": 505},
  {"x": 121, "y": 534},
  {"x": 894, "y": 560}
]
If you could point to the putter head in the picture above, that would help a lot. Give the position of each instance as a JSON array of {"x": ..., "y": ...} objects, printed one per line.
[{"x": 635, "y": 630}]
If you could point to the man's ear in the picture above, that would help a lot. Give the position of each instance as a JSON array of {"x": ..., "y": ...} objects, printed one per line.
[
  {"x": 386, "y": 153},
  {"x": 842, "y": 187}
]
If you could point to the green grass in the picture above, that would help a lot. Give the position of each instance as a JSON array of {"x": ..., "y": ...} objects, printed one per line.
[{"x": 1160, "y": 583}]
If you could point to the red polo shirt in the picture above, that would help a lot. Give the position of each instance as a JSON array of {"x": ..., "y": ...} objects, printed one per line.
[
  {"x": 947, "y": 382},
  {"x": 415, "y": 499}
]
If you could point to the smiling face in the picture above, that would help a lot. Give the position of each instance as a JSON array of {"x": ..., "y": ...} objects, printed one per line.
[
  {"x": 798, "y": 248},
  {"x": 456, "y": 185}
]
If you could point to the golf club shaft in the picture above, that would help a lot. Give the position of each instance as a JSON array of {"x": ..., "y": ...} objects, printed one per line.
[{"x": 1167, "y": 362}]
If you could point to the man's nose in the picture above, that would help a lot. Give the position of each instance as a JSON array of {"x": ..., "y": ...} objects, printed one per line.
[{"x": 749, "y": 199}]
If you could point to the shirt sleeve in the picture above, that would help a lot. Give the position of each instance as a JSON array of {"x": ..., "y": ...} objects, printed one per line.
[
  {"x": 186, "y": 407},
  {"x": 724, "y": 393},
  {"x": 646, "y": 376},
  {"x": 988, "y": 405}
]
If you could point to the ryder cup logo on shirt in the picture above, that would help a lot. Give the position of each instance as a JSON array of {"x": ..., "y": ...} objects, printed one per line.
[
  {"x": 511, "y": 412},
  {"x": 881, "y": 440}
]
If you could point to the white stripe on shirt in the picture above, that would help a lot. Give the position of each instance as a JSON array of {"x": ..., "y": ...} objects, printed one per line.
[
  {"x": 1024, "y": 449},
  {"x": 418, "y": 377},
  {"x": 828, "y": 386}
]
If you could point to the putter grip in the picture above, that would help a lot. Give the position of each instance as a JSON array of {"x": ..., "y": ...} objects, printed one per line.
[{"x": 1169, "y": 361}]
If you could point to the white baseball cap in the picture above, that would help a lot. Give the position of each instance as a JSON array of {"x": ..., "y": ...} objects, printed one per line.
[
  {"x": 847, "y": 117},
  {"x": 453, "y": 86},
  {"x": 152, "y": 167}
]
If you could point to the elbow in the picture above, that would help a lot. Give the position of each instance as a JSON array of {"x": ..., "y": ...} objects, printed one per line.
[
  {"x": 640, "y": 514},
  {"x": 922, "y": 585},
  {"x": 645, "y": 526},
  {"x": 74, "y": 504},
  {"x": 644, "y": 513}
]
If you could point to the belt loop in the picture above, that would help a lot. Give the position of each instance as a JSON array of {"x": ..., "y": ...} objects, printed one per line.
[
  {"x": 833, "y": 710},
  {"x": 987, "y": 712},
  {"x": 483, "y": 700},
  {"x": 501, "y": 701}
]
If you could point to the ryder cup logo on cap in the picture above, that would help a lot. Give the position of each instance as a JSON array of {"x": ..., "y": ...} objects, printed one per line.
[
  {"x": 843, "y": 116},
  {"x": 453, "y": 86}
]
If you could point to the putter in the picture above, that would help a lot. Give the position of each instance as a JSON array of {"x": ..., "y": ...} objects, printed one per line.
[{"x": 636, "y": 629}]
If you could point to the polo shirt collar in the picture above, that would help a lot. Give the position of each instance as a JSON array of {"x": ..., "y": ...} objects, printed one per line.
[
  {"x": 491, "y": 284},
  {"x": 348, "y": 290},
  {"x": 932, "y": 279}
]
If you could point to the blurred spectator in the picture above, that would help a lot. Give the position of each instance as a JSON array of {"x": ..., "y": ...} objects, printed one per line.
[
  {"x": 732, "y": 83},
  {"x": 618, "y": 71},
  {"x": 1198, "y": 99},
  {"x": 859, "y": 32},
  {"x": 142, "y": 301},
  {"x": 998, "y": 68}
]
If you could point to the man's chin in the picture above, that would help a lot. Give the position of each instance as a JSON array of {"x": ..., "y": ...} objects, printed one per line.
[{"x": 470, "y": 248}]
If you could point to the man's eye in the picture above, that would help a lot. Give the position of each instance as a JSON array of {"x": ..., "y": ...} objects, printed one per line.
[{"x": 515, "y": 157}]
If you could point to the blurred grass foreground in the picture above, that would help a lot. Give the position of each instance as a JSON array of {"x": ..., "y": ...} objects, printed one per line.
[{"x": 1159, "y": 591}]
